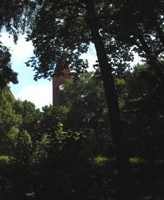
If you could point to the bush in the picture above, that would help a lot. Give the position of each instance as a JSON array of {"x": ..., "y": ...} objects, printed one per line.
[
  {"x": 136, "y": 161},
  {"x": 99, "y": 160},
  {"x": 4, "y": 160}
]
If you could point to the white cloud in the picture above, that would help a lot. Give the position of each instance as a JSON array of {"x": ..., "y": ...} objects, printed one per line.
[
  {"x": 22, "y": 50},
  {"x": 136, "y": 60},
  {"x": 91, "y": 60},
  {"x": 6, "y": 39},
  {"x": 40, "y": 95},
  {"x": 90, "y": 56}
]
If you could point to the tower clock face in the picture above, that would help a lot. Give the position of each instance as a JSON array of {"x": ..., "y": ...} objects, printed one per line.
[{"x": 61, "y": 87}]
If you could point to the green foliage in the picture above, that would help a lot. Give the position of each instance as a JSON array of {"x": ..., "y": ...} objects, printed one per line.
[
  {"x": 40, "y": 153},
  {"x": 99, "y": 160},
  {"x": 67, "y": 148},
  {"x": 15, "y": 16},
  {"x": 8, "y": 118},
  {"x": 5, "y": 160},
  {"x": 51, "y": 149},
  {"x": 61, "y": 23},
  {"x": 142, "y": 125},
  {"x": 5, "y": 164},
  {"x": 14, "y": 19},
  {"x": 6, "y": 73},
  {"x": 30, "y": 196},
  {"x": 136, "y": 161},
  {"x": 62, "y": 112},
  {"x": 85, "y": 98},
  {"x": 29, "y": 115},
  {"x": 60, "y": 133},
  {"x": 22, "y": 148}
]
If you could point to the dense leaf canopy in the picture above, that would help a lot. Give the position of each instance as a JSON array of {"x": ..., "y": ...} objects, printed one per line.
[
  {"x": 6, "y": 73},
  {"x": 56, "y": 138}
]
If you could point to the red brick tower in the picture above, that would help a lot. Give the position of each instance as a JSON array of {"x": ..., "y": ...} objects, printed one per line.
[{"x": 58, "y": 82}]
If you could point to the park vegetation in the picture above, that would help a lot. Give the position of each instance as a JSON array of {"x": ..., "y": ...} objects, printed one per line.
[{"x": 106, "y": 141}]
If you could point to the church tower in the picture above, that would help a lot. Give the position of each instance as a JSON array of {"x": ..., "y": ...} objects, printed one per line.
[{"x": 58, "y": 82}]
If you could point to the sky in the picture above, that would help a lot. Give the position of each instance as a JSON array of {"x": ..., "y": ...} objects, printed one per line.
[{"x": 38, "y": 92}]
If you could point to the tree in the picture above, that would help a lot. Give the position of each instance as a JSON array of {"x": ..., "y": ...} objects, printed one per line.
[
  {"x": 30, "y": 117},
  {"x": 126, "y": 24},
  {"x": 65, "y": 21},
  {"x": 19, "y": 137},
  {"x": 6, "y": 73},
  {"x": 15, "y": 16},
  {"x": 85, "y": 98},
  {"x": 142, "y": 113},
  {"x": 140, "y": 26},
  {"x": 13, "y": 19},
  {"x": 8, "y": 118}
]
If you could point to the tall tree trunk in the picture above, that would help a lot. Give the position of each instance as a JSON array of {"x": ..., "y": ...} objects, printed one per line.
[{"x": 124, "y": 188}]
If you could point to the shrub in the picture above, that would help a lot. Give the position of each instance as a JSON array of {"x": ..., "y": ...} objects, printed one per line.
[
  {"x": 5, "y": 161},
  {"x": 99, "y": 160},
  {"x": 136, "y": 161}
]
